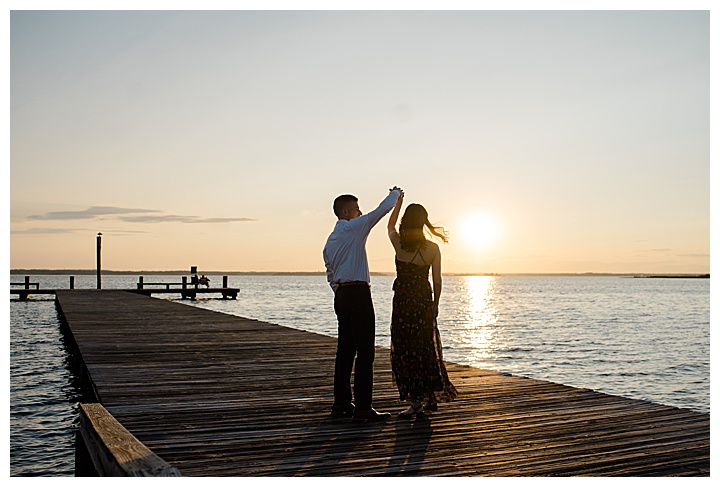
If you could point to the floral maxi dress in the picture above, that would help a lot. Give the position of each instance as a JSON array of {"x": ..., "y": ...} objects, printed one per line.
[{"x": 416, "y": 351}]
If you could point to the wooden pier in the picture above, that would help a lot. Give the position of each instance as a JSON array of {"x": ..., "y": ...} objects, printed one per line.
[{"x": 211, "y": 394}]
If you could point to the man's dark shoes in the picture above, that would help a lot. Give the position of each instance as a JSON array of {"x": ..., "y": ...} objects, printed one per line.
[
  {"x": 370, "y": 416},
  {"x": 342, "y": 411}
]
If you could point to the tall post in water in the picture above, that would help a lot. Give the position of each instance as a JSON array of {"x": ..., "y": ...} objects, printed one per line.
[{"x": 99, "y": 272}]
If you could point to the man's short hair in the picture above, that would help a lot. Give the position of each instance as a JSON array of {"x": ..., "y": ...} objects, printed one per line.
[{"x": 341, "y": 202}]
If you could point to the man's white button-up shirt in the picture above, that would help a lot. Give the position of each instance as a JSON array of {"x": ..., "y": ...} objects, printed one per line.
[{"x": 344, "y": 253}]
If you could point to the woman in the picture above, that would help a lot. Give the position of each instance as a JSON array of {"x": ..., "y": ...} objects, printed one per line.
[{"x": 416, "y": 351}]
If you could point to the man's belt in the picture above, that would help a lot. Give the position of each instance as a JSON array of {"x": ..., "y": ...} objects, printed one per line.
[{"x": 353, "y": 283}]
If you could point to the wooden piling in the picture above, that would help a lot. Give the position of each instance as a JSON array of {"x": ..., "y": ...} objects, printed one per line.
[{"x": 99, "y": 267}]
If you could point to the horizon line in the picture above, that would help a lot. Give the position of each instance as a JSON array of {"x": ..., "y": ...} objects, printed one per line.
[{"x": 322, "y": 273}]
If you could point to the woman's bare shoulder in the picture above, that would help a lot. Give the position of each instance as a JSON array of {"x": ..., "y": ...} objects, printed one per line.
[
  {"x": 394, "y": 237},
  {"x": 432, "y": 249}
]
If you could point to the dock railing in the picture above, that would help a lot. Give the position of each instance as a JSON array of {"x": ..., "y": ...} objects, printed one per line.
[
  {"x": 106, "y": 449},
  {"x": 188, "y": 290},
  {"x": 184, "y": 284},
  {"x": 26, "y": 283}
]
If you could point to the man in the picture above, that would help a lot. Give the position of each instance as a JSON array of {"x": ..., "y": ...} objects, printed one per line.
[{"x": 349, "y": 276}]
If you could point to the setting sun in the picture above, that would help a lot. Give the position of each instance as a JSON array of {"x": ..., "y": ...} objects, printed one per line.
[{"x": 480, "y": 230}]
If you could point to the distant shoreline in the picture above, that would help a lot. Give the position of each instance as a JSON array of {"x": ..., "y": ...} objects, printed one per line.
[{"x": 83, "y": 272}]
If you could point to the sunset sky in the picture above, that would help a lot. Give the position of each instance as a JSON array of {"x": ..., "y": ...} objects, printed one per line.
[{"x": 543, "y": 141}]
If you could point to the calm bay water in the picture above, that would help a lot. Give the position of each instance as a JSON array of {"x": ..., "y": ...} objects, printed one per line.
[{"x": 640, "y": 338}]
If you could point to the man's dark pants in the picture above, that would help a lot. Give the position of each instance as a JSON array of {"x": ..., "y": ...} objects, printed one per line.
[{"x": 356, "y": 336}]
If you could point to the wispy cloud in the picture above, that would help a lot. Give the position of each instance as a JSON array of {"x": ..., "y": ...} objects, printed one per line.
[
  {"x": 45, "y": 231},
  {"x": 121, "y": 233},
  {"x": 129, "y": 215},
  {"x": 92, "y": 212},
  {"x": 180, "y": 219},
  {"x": 64, "y": 231}
]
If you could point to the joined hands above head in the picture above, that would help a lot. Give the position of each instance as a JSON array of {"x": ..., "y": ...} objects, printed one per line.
[{"x": 396, "y": 211}]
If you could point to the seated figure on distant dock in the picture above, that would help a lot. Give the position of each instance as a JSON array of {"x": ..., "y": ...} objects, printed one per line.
[{"x": 204, "y": 281}]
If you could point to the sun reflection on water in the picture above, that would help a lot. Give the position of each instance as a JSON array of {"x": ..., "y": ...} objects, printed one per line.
[{"x": 480, "y": 335}]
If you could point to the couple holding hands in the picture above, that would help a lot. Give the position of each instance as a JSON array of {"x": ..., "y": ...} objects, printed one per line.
[{"x": 416, "y": 351}]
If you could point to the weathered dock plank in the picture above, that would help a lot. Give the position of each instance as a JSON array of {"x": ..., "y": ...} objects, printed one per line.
[
  {"x": 220, "y": 395},
  {"x": 114, "y": 451}
]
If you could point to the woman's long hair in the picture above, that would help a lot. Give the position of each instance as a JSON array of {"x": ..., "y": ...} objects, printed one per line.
[{"x": 412, "y": 225}]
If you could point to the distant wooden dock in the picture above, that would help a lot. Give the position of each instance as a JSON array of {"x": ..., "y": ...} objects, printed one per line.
[
  {"x": 217, "y": 395},
  {"x": 187, "y": 290}
]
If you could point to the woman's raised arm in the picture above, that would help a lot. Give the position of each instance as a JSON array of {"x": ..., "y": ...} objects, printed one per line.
[{"x": 392, "y": 221}]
